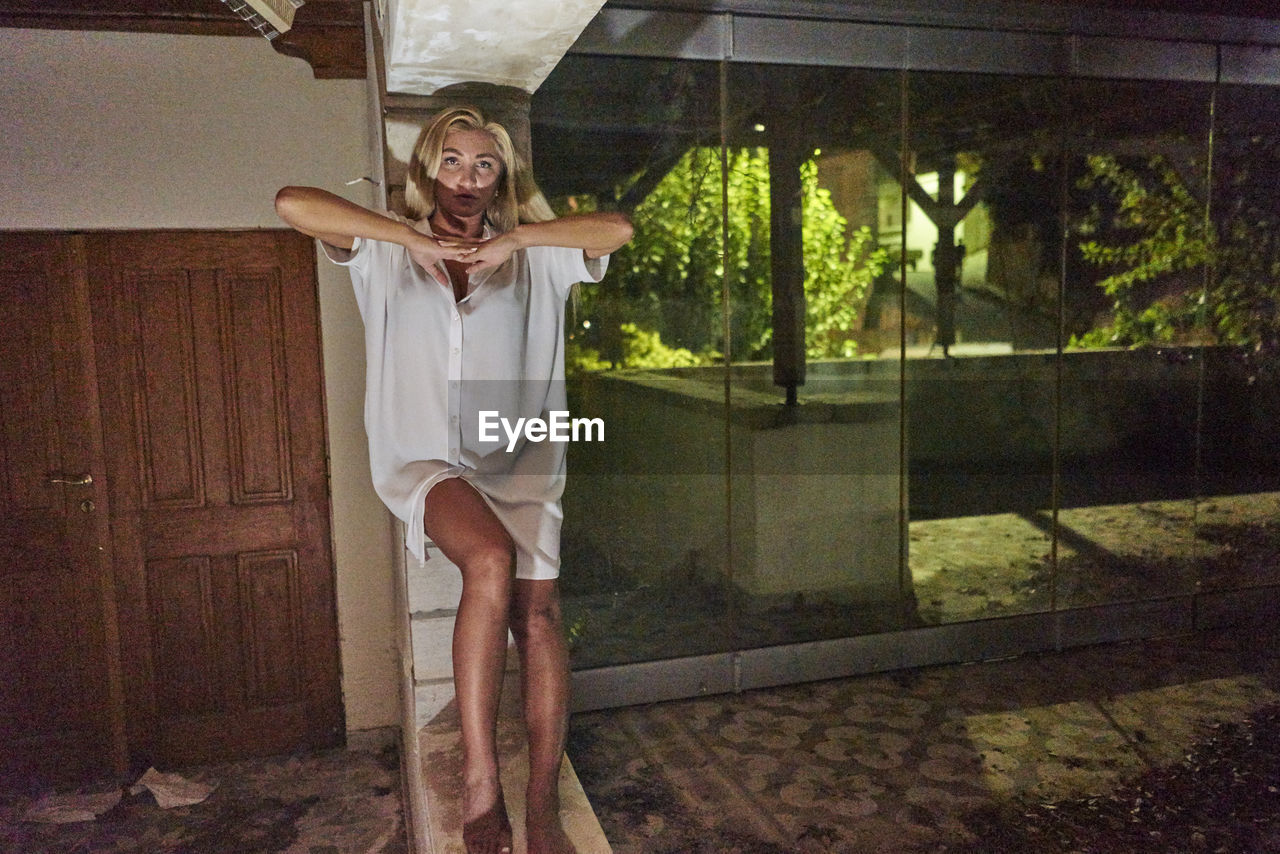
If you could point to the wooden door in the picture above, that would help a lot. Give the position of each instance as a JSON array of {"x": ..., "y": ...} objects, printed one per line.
[
  {"x": 208, "y": 356},
  {"x": 60, "y": 717}
]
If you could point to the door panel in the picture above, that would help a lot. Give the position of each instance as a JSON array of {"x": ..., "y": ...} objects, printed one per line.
[
  {"x": 209, "y": 343},
  {"x": 59, "y": 703}
]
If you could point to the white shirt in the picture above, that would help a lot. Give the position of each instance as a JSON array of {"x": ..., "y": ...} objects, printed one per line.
[{"x": 434, "y": 364}]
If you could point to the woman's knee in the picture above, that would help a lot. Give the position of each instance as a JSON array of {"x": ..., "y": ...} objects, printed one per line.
[
  {"x": 536, "y": 609},
  {"x": 488, "y": 573},
  {"x": 488, "y": 566}
]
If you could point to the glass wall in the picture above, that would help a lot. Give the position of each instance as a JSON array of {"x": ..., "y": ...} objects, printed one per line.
[
  {"x": 644, "y": 543},
  {"x": 1136, "y": 272},
  {"x": 815, "y": 435},
  {"x": 984, "y": 179},
  {"x": 1238, "y": 520},
  {"x": 899, "y": 352}
]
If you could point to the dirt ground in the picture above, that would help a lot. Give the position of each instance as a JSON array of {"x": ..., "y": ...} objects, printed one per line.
[
  {"x": 960, "y": 569},
  {"x": 986, "y": 566},
  {"x": 1222, "y": 797}
]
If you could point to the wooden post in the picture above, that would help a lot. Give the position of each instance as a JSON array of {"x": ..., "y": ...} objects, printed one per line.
[
  {"x": 786, "y": 247},
  {"x": 946, "y": 260}
]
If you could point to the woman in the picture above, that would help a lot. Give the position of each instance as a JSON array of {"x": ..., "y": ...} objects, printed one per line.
[{"x": 463, "y": 306}]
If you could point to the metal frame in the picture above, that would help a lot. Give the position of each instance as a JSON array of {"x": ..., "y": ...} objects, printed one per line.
[
  {"x": 951, "y": 643},
  {"x": 976, "y": 38}
]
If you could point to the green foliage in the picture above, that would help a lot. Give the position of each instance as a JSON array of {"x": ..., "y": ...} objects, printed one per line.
[
  {"x": 1153, "y": 235},
  {"x": 662, "y": 303},
  {"x": 837, "y": 271},
  {"x": 641, "y": 348},
  {"x": 1173, "y": 276}
]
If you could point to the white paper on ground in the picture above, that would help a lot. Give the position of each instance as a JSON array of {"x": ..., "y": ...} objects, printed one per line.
[{"x": 172, "y": 790}]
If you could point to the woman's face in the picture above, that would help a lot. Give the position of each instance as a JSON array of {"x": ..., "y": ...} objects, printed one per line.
[{"x": 470, "y": 169}]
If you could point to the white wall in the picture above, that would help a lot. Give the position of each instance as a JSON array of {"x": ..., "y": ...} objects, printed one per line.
[{"x": 122, "y": 131}]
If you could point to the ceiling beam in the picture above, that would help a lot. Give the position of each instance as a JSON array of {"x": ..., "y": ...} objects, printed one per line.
[{"x": 327, "y": 34}]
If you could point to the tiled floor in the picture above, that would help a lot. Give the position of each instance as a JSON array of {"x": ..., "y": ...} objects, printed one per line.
[
  {"x": 330, "y": 802},
  {"x": 894, "y": 763},
  {"x": 891, "y": 764}
]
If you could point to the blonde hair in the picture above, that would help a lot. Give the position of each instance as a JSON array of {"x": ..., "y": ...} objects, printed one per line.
[{"x": 517, "y": 199}]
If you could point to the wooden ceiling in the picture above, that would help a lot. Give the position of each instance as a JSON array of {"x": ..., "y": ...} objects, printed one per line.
[{"x": 328, "y": 34}]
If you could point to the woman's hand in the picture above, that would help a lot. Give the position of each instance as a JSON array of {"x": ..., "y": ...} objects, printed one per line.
[
  {"x": 494, "y": 252},
  {"x": 427, "y": 251}
]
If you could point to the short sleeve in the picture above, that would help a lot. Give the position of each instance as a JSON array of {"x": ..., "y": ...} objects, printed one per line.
[
  {"x": 357, "y": 257},
  {"x": 338, "y": 255},
  {"x": 565, "y": 267},
  {"x": 595, "y": 267}
]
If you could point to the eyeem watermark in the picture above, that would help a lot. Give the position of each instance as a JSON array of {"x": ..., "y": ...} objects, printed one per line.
[{"x": 558, "y": 428}]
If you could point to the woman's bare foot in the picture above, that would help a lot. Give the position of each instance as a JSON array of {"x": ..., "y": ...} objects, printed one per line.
[
  {"x": 548, "y": 840},
  {"x": 485, "y": 826},
  {"x": 543, "y": 832}
]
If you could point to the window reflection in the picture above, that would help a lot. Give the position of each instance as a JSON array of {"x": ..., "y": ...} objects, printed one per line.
[
  {"x": 1236, "y": 526},
  {"x": 815, "y": 420},
  {"x": 1132, "y": 371},
  {"x": 644, "y": 542},
  {"x": 1081, "y": 286},
  {"x": 985, "y": 183}
]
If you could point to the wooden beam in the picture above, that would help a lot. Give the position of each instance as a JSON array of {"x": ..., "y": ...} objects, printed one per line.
[
  {"x": 327, "y": 34},
  {"x": 787, "y": 151}
]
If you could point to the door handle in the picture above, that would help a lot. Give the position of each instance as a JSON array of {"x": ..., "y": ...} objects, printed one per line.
[{"x": 73, "y": 480}]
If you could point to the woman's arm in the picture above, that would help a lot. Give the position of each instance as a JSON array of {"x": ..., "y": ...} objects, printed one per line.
[
  {"x": 331, "y": 218},
  {"x": 338, "y": 222},
  {"x": 596, "y": 234}
]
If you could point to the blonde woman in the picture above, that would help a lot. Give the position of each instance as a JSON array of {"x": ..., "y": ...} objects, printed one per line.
[{"x": 464, "y": 309}]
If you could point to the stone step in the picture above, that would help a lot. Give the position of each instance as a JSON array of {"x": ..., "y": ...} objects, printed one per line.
[
  {"x": 441, "y": 756},
  {"x": 434, "y": 760}
]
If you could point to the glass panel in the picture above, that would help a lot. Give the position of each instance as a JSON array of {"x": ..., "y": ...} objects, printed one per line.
[
  {"x": 644, "y": 546},
  {"x": 1136, "y": 271},
  {"x": 1237, "y": 517},
  {"x": 815, "y": 440},
  {"x": 983, "y": 252}
]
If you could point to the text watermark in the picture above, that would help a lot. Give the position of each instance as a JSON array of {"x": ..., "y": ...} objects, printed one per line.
[{"x": 559, "y": 427}]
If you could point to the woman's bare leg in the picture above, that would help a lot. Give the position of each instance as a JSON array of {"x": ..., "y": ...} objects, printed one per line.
[
  {"x": 544, "y": 682},
  {"x": 461, "y": 524}
]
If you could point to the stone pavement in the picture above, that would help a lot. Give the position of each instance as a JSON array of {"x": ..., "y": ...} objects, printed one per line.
[
  {"x": 324, "y": 802},
  {"x": 893, "y": 763}
]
